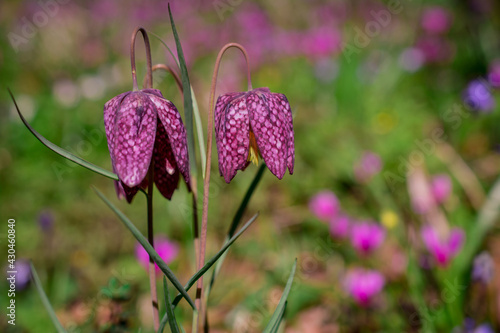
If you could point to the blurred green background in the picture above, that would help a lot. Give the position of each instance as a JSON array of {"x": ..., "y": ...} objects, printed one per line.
[{"x": 356, "y": 82}]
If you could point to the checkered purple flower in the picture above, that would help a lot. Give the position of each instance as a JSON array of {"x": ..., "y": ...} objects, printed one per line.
[
  {"x": 141, "y": 127},
  {"x": 253, "y": 123}
]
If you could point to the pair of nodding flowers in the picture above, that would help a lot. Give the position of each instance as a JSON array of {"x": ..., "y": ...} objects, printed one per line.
[{"x": 142, "y": 127}]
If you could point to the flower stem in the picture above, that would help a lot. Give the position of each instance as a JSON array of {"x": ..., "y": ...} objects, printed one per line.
[
  {"x": 171, "y": 71},
  {"x": 206, "y": 185},
  {"x": 152, "y": 273},
  {"x": 148, "y": 85},
  {"x": 149, "y": 74}
]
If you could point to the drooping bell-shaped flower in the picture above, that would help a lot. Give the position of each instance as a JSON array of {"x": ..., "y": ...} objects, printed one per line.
[
  {"x": 142, "y": 127},
  {"x": 363, "y": 285},
  {"x": 252, "y": 124},
  {"x": 367, "y": 236}
]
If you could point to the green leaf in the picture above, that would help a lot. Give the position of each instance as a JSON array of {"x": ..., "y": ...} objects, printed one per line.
[
  {"x": 45, "y": 300},
  {"x": 188, "y": 101},
  {"x": 277, "y": 316},
  {"x": 236, "y": 221},
  {"x": 64, "y": 153},
  {"x": 169, "y": 315},
  {"x": 214, "y": 259},
  {"x": 149, "y": 249}
]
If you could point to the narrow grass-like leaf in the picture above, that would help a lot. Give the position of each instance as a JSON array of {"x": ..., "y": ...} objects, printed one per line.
[
  {"x": 169, "y": 314},
  {"x": 214, "y": 259},
  {"x": 188, "y": 101},
  {"x": 277, "y": 316},
  {"x": 236, "y": 221},
  {"x": 196, "y": 112},
  {"x": 64, "y": 153},
  {"x": 149, "y": 249},
  {"x": 45, "y": 300}
]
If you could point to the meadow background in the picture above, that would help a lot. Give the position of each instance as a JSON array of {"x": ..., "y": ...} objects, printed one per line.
[{"x": 409, "y": 84}]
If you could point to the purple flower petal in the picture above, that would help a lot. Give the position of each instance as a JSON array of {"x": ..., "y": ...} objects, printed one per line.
[
  {"x": 110, "y": 109},
  {"x": 174, "y": 127},
  {"x": 268, "y": 124},
  {"x": 166, "y": 172},
  {"x": 232, "y": 134},
  {"x": 134, "y": 130}
]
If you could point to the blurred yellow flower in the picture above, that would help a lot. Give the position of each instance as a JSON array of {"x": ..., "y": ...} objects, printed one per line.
[{"x": 389, "y": 219}]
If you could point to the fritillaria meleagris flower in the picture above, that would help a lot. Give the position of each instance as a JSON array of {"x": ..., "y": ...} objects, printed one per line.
[
  {"x": 141, "y": 127},
  {"x": 252, "y": 124}
]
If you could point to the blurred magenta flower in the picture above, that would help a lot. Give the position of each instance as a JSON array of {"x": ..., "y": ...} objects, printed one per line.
[
  {"x": 483, "y": 267},
  {"x": 363, "y": 285},
  {"x": 436, "y": 20},
  {"x": 324, "y": 205},
  {"x": 46, "y": 220},
  {"x": 478, "y": 97},
  {"x": 167, "y": 250},
  {"x": 441, "y": 187},
  {"x": 369, "y": 165},
  {"x": 436, "y": 49},
  {"x": 339, "y": 226},
  {"x": 321, "y": 42},
  {"x": 494, "y": 74},
  {"x": 253, "y": 123},
  {"x": 443, "y": 250},
  {"x": 141, "y": 127},
  {"x": 367, "y": 236}
]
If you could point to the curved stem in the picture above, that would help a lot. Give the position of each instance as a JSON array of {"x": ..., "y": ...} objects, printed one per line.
[
  {"x": 171, "y": 71},
  {"x": 149, "y": 74},
  {"x": 148, "y": 85},
  {"x": 206, "y": 185}
]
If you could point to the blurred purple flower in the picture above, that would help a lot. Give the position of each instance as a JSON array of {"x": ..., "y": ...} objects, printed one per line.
[
  {"x": 23, "y": 273},
  {"x": 363, "y": 285},
  {"x": 366, "y": 236},
  {"x": 484, "y": 328},
  {"x": 167, "y": 250},
  {"x": 494, "y": 74},
  {"x": 483, "y": 268},
  {"x": 369, "y": 165},
  {"x": 142, "y": 126},
  {"x": 411, "y": 59},
  {"x": 441, "y": 187},
  {"x": 321, "y": 42},
  {"x": 324, "y": 205},
  {"x": 478, "y": 97},
  {"x": 339, "y": 226},
  {"x": 252, "y": 124},
  {"x": 443, "y": 250},
  {"x": 435, "y": 49},
  {"x": 436, "y": 20},
  {"x": 46, "y": 220}
]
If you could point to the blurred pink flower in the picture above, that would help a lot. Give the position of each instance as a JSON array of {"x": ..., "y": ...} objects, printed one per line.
[
  {"x": 167, "y": 250},
  {"x": 363, "y": 284},
  {"x": 324, "y": 205},
  {"x": 369, "y": 165},
  {"x": 443, "y": 250},
  {"x": 441, "y": 187},
  {"x": 366, "y": 236},
  {"x": 436, "y": 20},
  {"x": 494, "y": 74},
  {"x": 436, "y": 49},
  {"x": 321, "y": 42},
  {"x": 339, "y": 226}
]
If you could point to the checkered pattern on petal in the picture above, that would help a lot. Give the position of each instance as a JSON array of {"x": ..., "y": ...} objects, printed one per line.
[
  {"x": 166, "y": 172},
  {"x": 174, "y": 127},
  {"x": 281, "y": 103},
  {"x": 134, "y": 130},
  {"x": 232, "y": 134},
  {"x": 270, "y": 127},
  {"x": 110, "y": 109}
]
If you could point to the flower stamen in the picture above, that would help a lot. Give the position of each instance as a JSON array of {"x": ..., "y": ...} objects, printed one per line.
[{"x": 253, "y": 152}]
